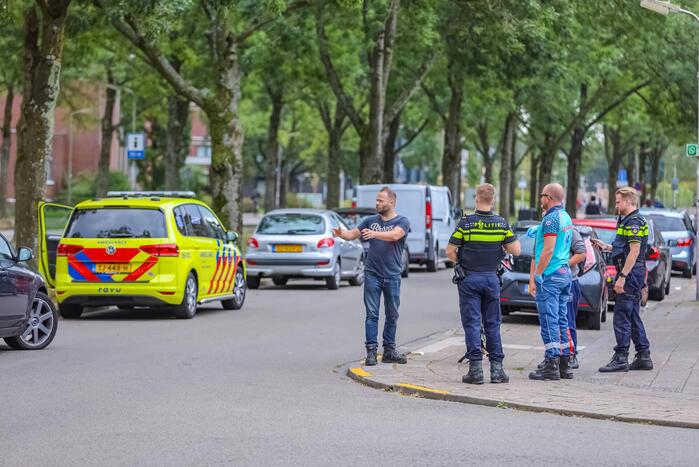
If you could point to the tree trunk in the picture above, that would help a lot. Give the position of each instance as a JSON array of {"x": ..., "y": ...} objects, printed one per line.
[
  {"x": 546, "y": 158},
  {"x": 513, "y": 175},
  {"x": 614, "y": 160},
  {"x": 371, "y": 157},
  {"x": 44, "y": 30},
  {"x": 176, "y": 140},
  {"x": 533, "y": 181},
  {"x": 574, "y": 165},
  {"x": 483, "y": 146},
  {"x": 336, "y": 129},
  {"x": 272, "y": 148},
  {"x": 389, "y": 150},
  {"x": 451, "y": 158},
  {"x": 102, "y": 182},
  {"x": 506, "y": 163},
  {"x": 642, "y": 156},
  {"x": 5, "y": 148},
  {"x": 656, "y": 155}
]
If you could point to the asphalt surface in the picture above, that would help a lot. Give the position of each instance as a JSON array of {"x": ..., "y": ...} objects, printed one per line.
[{"x": 261, "y": 386}]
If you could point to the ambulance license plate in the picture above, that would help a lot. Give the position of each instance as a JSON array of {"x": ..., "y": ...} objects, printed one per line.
[{"x": 113, "y": 268}]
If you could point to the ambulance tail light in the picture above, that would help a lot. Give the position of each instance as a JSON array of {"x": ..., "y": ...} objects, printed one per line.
[
  {"x": 162, "y": 250},
  {"x": 653, "y": 253},
  {"x": 68, "y": 250},
  {"x": 428, "y": 213},
  {"x": 684, "y": 242}
]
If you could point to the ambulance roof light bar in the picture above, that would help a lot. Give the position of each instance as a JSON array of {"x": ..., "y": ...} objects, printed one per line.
[{"x": 147, "y": 194}]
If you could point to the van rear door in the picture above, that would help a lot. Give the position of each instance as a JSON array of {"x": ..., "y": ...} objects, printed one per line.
[
  {"x": 53, "y": 219},
  {"x": 442, "y": 222}
]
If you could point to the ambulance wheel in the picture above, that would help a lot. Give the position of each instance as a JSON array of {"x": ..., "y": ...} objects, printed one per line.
[
  {"x": 70, "y": 311},
  {"x": 188, "y": 308}
]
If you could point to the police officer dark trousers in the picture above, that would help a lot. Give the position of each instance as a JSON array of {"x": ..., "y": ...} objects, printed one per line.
[
  {"x": 477, "y": 247},
  {"x": 628, "y": 256}
]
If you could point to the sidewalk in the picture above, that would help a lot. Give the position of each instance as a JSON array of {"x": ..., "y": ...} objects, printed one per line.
[{"x": 667, "y": 395}]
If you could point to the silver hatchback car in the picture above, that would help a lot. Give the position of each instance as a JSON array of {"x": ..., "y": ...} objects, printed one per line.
[{"x": 298, "y": 243}]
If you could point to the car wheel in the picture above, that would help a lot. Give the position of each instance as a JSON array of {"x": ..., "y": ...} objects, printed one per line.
[
  {"x": 70, "y": 311},
  {"x": 239, "y": 289},
  {"x": 41, "y": 328},
  {"x": 188, "y": 308},
  {"x": 667, "y": 285},
  {"x": 432, "y": 264},
  {"x": 333, "y": 282},
  {"x": 406, "y": 265},
  {"x": 687, "y": 273},
  {"x": 359, "y": 278},
  {"x": 253, "y": 282},
  {"x": 280, "y": 280},
  {"x": 657, "y": 294},
  {"x": 594, "y": 320}
]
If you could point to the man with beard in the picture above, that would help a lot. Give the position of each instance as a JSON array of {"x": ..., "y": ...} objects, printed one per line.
[{"x": 385, "y": 232}]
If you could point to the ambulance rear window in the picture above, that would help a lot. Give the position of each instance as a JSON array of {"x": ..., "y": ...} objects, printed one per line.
[{"x": 117, "y": 223}]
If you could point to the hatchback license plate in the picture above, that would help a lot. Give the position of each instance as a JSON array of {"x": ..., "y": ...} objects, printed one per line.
[
  {"x": 288, "y": 248},
  {"x": 111, "y": 268}
]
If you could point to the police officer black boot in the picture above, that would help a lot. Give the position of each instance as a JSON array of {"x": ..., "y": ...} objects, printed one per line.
[
  {"x": 475, "y": 373},
  {"x": 391, "y": 355},
  {"x": 550, "y": 370},
  {"x": 370, "y": 356},
  {"x": 619, "y": 362},
  {"x": 564, "y": 367},
  {"x": 642, "y": 361},
  {"x": 497, "y": 373}
]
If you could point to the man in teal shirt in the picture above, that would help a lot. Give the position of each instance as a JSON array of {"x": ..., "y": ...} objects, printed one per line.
[{"x": 549, "y": 282}]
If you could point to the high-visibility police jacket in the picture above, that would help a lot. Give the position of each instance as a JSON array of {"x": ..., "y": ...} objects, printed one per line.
[
  {"x": 630, "y": 229},
  {"x": 479, "y": 238}
]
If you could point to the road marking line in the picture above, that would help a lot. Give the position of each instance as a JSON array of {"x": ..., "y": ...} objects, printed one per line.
[
  {"x": 360, "y": 372},
  {"x": 422, "y": 388}
]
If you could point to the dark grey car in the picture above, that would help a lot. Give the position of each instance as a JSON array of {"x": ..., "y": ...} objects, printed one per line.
[
  {"x": 514, "y": 295},
  {"x": 28, "y": 318}
]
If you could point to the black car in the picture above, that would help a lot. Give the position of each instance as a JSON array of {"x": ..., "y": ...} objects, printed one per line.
[
  {"x": 354, "y": 216},
  {"x": 28, "y": 317},
  {"x": 515, "y": 296}
]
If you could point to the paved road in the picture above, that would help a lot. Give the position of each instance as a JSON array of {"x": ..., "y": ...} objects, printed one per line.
[{"x": 258, "y": 387}]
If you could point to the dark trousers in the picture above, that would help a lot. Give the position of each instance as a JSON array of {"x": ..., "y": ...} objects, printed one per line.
[
  {"x": 627, "y": 317},
  {"x": 374, "y": 287},
  {"x": 573, "y": 314},
  {"x": 479, "y": 301}
]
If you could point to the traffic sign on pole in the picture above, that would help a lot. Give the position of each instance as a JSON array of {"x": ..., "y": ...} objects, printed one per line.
[
  {"x": 691, "y": 150},
  {"x": 136, "y": 146}
]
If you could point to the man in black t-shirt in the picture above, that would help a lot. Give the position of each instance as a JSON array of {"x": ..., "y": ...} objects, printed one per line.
[{"x": 385, "y": 232}]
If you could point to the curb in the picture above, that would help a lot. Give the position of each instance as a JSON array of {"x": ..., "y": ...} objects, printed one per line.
[{"x": 357, "y": 373}]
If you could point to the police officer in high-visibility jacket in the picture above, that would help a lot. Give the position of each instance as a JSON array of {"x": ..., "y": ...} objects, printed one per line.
[
  {"x": 628, "y": 256},
  {"x": 477, "y": 247}
]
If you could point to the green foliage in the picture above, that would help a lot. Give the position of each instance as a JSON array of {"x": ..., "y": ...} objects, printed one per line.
[{"x": 84, "y": 186}]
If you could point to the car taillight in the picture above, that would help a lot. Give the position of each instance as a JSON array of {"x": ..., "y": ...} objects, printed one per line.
[
  {"x": 354, "y": 203},
  {"x": 325, "y": 243},
  {"x": 428, "y": 214},
  {"x": 684, "y": 242},
  {"x": 68, "y": 250},
  {"x": 653, "y": 253},
  {"x": 252, "y": 243},
  {"x": 165, "y": 249},
  {"x": 611, "y": 271}
]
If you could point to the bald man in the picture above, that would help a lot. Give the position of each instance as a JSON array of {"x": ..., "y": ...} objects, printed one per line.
[{"x": 549, "y": 282}]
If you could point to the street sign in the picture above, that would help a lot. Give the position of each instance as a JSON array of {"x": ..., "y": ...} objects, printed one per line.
[
  {"x": 522, "y": 184},
  {"x": 622, "y": 178},
  {"x": 136, "y": 146},
  {"x": 691, "y": 150}
]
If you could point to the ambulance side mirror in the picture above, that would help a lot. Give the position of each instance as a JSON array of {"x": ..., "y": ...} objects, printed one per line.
[{"x": 231, "y": 236}]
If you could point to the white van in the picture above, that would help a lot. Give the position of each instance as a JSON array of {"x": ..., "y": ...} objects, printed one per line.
[{"x": 432, "y": 219}]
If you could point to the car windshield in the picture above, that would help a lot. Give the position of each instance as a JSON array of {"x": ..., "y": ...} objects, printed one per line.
[
  {"x": 526, "y": 241},
  {"x": 353, "y": 219},
  {"x": 606, "y": 235},
  {"x": 666, "y": 223},
  {"x": 117, "y": 223},
  {"x": 292, "y": 224}
]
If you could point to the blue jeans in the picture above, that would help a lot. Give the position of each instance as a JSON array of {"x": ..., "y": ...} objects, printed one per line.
[
  {"x": 627, "y": 318},
  {"x": 573, "y": 313},
  {"x": 479, "y": 300},
  {"x": 552, "y": 295},
  {"x": 374, "y": 286}
]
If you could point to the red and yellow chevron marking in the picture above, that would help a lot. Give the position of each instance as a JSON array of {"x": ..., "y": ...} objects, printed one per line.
[{"x": 82, "y": 266}]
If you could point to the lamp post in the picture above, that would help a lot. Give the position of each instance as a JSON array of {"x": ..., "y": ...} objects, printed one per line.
[
  {"x": 664, "y": 8},
  {"x": 70, "y": 151}
]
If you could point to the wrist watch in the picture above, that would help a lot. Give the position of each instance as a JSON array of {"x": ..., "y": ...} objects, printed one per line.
[{"x": 622, "y": 275}]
